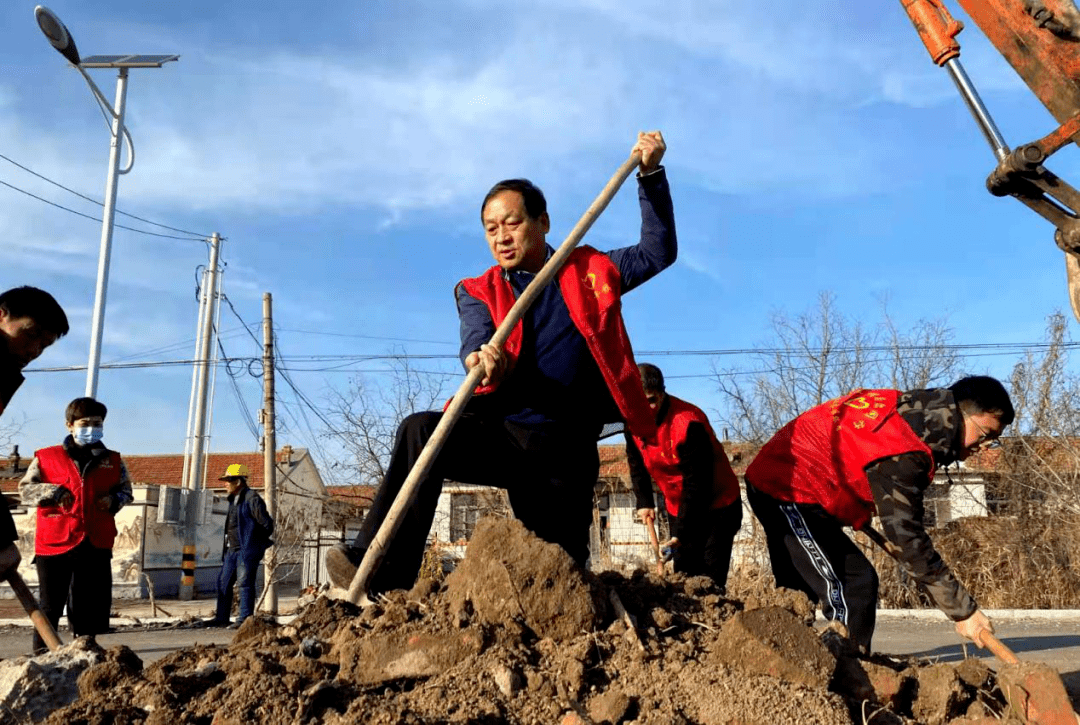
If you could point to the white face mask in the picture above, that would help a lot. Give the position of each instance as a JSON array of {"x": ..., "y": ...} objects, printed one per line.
[{"x": 85, "y": 435}]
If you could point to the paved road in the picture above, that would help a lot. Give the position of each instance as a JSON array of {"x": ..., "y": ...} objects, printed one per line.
[{"x": 149, "y": 643}]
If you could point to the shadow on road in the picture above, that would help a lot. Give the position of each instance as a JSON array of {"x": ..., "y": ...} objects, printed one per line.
[{"x": 1019, "y": 645}]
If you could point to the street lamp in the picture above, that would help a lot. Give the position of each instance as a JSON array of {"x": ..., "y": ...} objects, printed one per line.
[{"x": 61, "y": 39}]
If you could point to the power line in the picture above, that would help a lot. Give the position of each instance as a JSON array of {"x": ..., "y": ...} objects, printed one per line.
[
  {"x": 305, "y": 401},
  {"x": 245, "y": 412},
  {"x": 970, "y": 350},
  {"x": 97, "y": 219},
  {"x": 95, "y": 201},
  {"x": 368, "y": 337},
  {"x": 242, "y": 322}
]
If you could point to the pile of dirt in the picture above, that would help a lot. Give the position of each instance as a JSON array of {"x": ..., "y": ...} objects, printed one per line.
[{"x": 518, "y": 634}]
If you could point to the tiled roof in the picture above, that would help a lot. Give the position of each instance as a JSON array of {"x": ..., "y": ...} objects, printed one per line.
[
  {"x": 613, "y": 463},
  {"x": 168, "y": 468},
  {"x": 613, "y": 459},
  {"x": 360, "y": 495}
]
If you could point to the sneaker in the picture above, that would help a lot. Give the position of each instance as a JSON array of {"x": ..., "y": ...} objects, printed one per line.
[
  {"x": 342, "y": 561},
  {"x": 216, "y": 623},
  {"x": 234, "y": 625}
]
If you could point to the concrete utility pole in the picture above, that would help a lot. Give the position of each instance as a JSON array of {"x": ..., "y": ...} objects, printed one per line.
[
  {"x": 193, "y": 484},
  {"x": 269, "y": 447}
]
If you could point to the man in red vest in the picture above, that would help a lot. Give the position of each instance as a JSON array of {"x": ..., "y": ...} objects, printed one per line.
[
  {"x": 566, "y": 370},
  {"x": 871, "y": 452},
  {"x": 77, "y": 486},
  {"x": 701, "y": 492},
  {"x": 30, "y": 321}
]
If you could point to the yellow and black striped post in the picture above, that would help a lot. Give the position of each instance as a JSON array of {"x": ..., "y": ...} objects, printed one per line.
[{"x": 187, "y": 568}]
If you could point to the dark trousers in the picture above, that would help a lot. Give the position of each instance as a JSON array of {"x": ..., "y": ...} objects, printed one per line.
[
  {"x": 549, "y": 482},
  {"x": 810, "y": 552},
  {"x": 235, "y": 567},
  {"x": 705, "y": 546},
  {"x": 81, "y": 579}
]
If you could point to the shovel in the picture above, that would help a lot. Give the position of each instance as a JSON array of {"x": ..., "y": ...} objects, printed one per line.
[
  {"x": 29, "y": 603},
  {"x": 1034, "y": 691},
  {"x": 409, "y": 489},
  {"x": 656, "y": 547}
]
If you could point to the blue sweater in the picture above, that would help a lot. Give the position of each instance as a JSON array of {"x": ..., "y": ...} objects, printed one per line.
[{"x": 556, "y": 387}]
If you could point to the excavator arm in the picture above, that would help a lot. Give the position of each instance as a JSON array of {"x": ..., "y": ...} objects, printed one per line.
[{"x": 1041, "y": 41}]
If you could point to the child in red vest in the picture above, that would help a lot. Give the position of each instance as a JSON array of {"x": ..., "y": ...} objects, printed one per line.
[{"x": 77, "y": 486}]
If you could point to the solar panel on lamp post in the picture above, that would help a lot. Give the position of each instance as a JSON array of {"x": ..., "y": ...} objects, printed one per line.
[{"x": 60, "y": 38}]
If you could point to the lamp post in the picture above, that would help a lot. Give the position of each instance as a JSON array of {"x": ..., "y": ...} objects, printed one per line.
[{"x": 61, "y": 39}]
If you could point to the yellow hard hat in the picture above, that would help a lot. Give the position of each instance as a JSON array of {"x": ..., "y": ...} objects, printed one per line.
[{"x": 234, "y": 470}]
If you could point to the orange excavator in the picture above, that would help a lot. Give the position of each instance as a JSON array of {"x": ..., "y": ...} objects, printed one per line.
[{"x": 1041, "y": 41}]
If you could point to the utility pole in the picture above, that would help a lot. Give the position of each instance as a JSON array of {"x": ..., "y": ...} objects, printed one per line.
[
  {"x": 194, "y": 482},
  {"x": 269, "y": 447}
]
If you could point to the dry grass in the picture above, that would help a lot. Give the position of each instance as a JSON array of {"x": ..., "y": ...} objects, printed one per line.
[
  {"x": 1009, "y": 563},
  {"x": 1005, "y": 563}
]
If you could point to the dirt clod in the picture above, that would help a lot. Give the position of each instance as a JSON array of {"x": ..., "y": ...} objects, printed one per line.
[
  {"x": 939, "y": 696},
  {"x": 773, "y": 641}
]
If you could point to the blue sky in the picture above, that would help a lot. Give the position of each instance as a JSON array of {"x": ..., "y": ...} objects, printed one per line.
[{"x": 343, "y": 151}]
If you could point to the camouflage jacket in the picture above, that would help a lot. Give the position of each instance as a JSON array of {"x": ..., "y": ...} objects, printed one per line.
[{"x": 899, "y": 485}]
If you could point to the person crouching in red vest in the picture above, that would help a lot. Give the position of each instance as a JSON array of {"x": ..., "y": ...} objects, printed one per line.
[
  {"x": 77, "y": 486},
  {"x": 867, "y": 453},
  {"x": 701, "y": 492}
]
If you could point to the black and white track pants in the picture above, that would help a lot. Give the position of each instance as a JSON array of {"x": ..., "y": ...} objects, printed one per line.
[{"x": 810, "y": 552}]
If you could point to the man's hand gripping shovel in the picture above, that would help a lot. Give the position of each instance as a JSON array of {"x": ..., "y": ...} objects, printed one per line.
[
  {"x": 374, "y": 555},
  {"x": 1034, "y": 691}
]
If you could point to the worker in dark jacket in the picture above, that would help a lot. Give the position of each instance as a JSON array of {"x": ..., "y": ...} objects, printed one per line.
[
  {"x": 701, "y": 492},
  {"x": 248, "y": 528},
  {"x": 77, "y": 487},
  {"x": 871, "y": 452},
  {"x": 566, "y": 369},
  {"x": 30, "y": 321}
]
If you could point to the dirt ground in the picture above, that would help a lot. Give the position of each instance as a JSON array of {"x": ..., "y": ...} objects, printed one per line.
[{"x": 519, "y": 634}]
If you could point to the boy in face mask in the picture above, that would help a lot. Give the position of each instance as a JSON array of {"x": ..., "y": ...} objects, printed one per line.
[{"x": 78, "y": 486}]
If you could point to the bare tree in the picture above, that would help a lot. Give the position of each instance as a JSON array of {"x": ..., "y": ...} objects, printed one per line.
[
  {"x": 821, "y": 354},
  {"x": 365, "y": 417}
]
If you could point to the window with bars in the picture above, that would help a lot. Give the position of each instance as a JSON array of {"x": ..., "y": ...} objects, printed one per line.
[{"x": 464, "y": 508}]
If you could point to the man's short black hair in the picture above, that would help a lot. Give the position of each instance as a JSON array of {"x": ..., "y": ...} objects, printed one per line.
[
  {"x": 535, "y": 203},
  {"x": 38, "y": 305},
  {"x": 85, "y": 408},
  {"x": 651, "y": 378},
  {"x": 983, "y": 394}
]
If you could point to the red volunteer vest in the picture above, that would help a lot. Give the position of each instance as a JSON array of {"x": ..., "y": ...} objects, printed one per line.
[
  {"x": 662, "y": 457},
  {"x": 821, "y": 456},
  {"x": 591, "y": 287},
  {"x": 61, "y": 529}
]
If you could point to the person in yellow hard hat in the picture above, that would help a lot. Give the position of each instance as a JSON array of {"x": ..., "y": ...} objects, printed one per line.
[{"x": 248, "y": 528}]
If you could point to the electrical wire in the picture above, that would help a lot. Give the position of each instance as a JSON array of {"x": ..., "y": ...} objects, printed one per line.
[
  {"x": 95, "y": 201},
  {"x": 245, "y": 412},
  {"x": 97, "y": 219},
  {"x": 372, "y": 358},
  {"x": 368, "y": 337}
]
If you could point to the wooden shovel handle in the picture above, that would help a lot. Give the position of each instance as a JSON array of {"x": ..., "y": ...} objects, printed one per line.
[
  {"x": 998, "y": 648},
  {"x": 409, "y": 489},
  {"x": 30, "y": 604},
  {"x": 656, "y": 547}
]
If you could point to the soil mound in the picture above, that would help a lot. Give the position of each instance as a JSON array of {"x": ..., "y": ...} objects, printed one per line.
[{"x": 518, "y": 634}]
